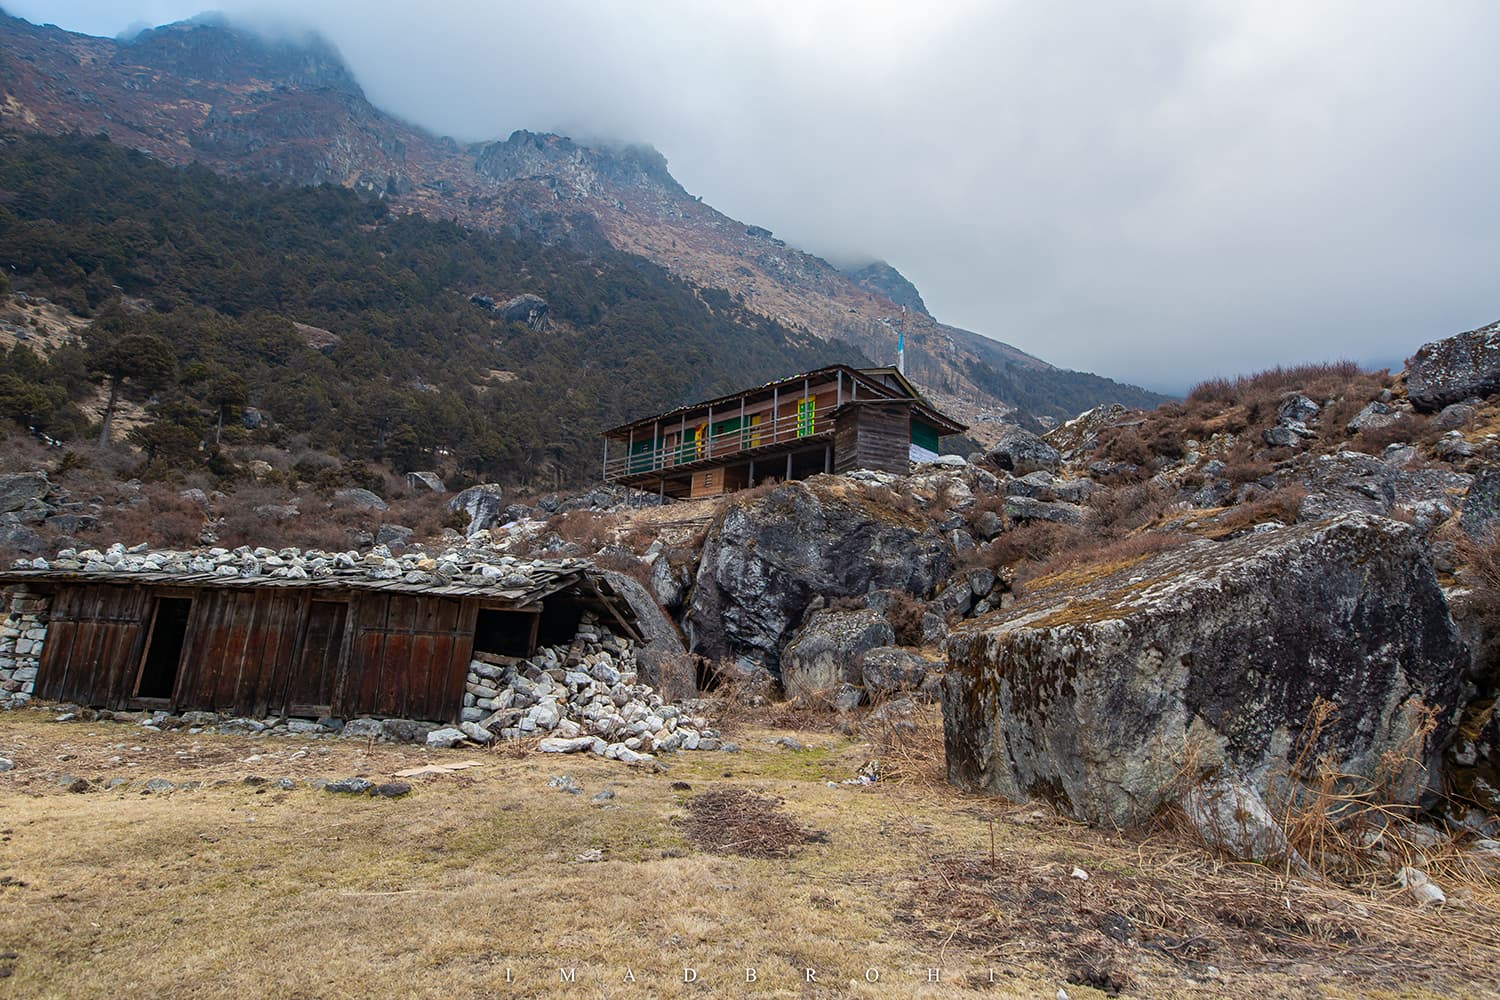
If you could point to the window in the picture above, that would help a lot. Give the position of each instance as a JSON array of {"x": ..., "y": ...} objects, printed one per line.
[{"x": 806, "y": 412}]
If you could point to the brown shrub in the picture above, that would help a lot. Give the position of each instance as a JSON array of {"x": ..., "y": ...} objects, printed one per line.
[
  {"x": 589, "y": 530},
  {"x": 1117, "y": 512},
  {"x": 1281, "y": 504},
  {"x": 1410, "y": 428},
  {"x": 1320, "y": 380},
  {"x": 165, "y": 520},
  {"x": 905, "y": 615}
]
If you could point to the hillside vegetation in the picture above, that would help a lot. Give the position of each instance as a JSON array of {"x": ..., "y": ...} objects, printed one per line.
[{"x": 391, "y": 362}]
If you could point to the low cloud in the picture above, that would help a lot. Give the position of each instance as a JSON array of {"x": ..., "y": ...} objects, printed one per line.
[{"x": 1159, "y": 192}]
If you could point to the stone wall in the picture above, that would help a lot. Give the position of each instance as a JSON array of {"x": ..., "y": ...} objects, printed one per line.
[{"x": 21, "y": 637}]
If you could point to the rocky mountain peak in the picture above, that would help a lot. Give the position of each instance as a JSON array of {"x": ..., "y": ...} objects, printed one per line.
[
  {"x": 210, "y": 48},
  {"x": 583, "y": 169},
  {"x": 883, "y": 279}
]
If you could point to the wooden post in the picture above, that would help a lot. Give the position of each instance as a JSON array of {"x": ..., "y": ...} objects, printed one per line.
[
  {"x": 828, "y": 458},
  {"x": 681, "y": 437},
  {"x": 775, "y": 411},
  {"x": 656, "y": 445},
  {"x": 840, "y": 398},
  {"x": 744, "y": 431},
  {"x": 752, "y": 472},
  {"x": 629, "y": 451},
  {"x": 604, "y": 469},
  {"x": 788, "y": 466},
  {"x": 708, "y": 441}
]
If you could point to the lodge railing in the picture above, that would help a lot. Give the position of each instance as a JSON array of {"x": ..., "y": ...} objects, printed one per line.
[{"x": 697, "y": 443}]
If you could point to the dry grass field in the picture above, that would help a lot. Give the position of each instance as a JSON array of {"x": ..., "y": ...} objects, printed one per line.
[{"x": 487, "y": 882}]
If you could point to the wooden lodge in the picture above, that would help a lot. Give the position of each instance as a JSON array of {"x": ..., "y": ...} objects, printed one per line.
[
  {"x": 835, "y": 419},
  {"x": 341, "y": 646}
]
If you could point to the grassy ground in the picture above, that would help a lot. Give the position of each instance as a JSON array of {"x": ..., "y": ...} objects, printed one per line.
[{"x": 475, "y": 884}]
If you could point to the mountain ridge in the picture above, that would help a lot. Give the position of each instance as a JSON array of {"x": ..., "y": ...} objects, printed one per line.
[{"x": 291, "y": 111}]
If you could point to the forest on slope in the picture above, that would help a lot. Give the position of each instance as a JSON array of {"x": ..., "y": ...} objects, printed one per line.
[{"x": 220, "y": 271}]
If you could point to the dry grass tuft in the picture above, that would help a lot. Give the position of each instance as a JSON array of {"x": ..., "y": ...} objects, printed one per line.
[
  {"x": 908, "y": 748},
  {"x": 738, "y": 821}
]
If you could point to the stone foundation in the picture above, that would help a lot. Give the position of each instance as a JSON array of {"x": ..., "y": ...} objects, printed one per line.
[{"x": 21, "y": 637}]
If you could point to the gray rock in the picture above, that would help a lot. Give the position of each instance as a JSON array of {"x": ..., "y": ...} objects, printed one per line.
[
  {"x": 1455, "y": 416},
  {"x": 349, "y": 786},
  {"x": 1281, "y": 436},
  {"x": 6, "y": 764},
  {"x": 825, "y": 652},
  {"x": 527, "y": 309},
  {"x": 767, "y": 556},
  {"x": 426, "y": 481},
  {"x": 1024, "y": 509},
  {"x": 159, "y": 785},
  {"x": 673, "y": 675},
  {"x": 564, "y": 783},
  {"x": 1481, "y": 508},
  {"x": 393, "y": 536},
  {"x": 445, "y": 738},
  {"x": 361, "y": 498},
  {"x": 890, "y": 669},
  {"x": 554, "y": 744},
  {"x": 391, "y": 790},
  {"x": 1232, "y": 816},
  {"x": 1019, "y": 452},
  {"x": 481, "y": 503},
  {"x": 476, "y": 732},
  {"x": 363, "y": 729},
  {"x": 1088, "y": 697},
  {"x": 658, "y": 632},
  {"x": 21, "y": 489},
  {"x": 1454, "y": 369},
  {"x": 1453, "y": 447},
  {"x": 1297, "y": 409},
  {"x": 1374, "y": 415},
  {"x": 846, "y": 698}
]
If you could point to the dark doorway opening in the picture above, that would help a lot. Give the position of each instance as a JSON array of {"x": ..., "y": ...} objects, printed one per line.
[
  {"x": 505, "y": 633},
  {"x": 164, "y": 648}
]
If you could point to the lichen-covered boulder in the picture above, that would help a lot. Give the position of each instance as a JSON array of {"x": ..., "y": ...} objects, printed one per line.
[
  {"x": 890, "y": 669},
  {"x": 766, "y": 558},
  {"x": 826, "y": 652},
  {"x": 1454, "y": 369},
  {"x": 1099, "y": 696},
  {"x": 1019, "y": 452},
  {"x": 481, "y": 503}
]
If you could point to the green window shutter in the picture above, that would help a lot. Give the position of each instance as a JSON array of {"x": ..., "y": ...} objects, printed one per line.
[
  {"x": 924, "y": 436},
  {"x": 806, "y": 416}
]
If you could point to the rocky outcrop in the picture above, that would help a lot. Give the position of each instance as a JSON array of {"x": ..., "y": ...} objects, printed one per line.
[
  {"x": 528, "y": 310},
  {"x": 1100, "y": 697},
  {"x": 360, "y": 498},
  {"x": 483, "y": 505},
  {"x": 766, "y": 557},
  {"x": 1452, "y": 370},
  {"x": 826, "y": 652},
  {"x": 1018, "y": 451},
  {"x": 22, "y": 490}
]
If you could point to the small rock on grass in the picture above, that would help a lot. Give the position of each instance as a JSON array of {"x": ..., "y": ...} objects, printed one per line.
[
  {"x": 159, "y": 785},
  {"x": 564, "y": 783},
  {"x": 6, "y": 764},
  {"x": 391, "y": 790},
  {"x": 349, "y": 786}
]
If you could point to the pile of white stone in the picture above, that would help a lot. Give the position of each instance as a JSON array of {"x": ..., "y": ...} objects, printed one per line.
[
  {"x": 583, "y": 697},
  {"x": 464, "y": 565}
]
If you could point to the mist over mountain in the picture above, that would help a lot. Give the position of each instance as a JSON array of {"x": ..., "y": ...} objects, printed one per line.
[{"x": 289, "y": 111}]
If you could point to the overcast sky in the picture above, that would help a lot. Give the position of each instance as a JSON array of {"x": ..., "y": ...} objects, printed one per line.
[{"x": 1156, "y": 191}]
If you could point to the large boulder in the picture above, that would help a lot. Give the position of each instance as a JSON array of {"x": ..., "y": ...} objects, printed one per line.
[
  {"x": 22, "y": 488},
  {"x": 658, "y": 632},
  {"x": 481, "y": 503},
  {"x": 1452, "y": 370},
  {"x": 1103, "y": 696},
  {"x": 1018, "y": 451},
  {"x": 527, "y": 309},
  {"x": 826, "y": 651},
  {"x": 890, "y": 669},
  {"x": 766, "y": 557}
]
